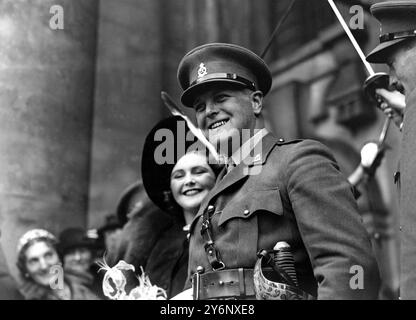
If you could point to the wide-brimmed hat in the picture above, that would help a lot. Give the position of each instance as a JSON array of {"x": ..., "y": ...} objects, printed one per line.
[
  {"x": 397, "y": 24},
  {"x": 221, "y": 63},
  {"x": 166, "y": 143}
]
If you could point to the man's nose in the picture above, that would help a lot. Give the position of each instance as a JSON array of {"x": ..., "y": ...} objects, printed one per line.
[
  {"x": 395, "y": 84},
  {"x": 392, "y": 80},
  {"x": 211, "y": 109}
]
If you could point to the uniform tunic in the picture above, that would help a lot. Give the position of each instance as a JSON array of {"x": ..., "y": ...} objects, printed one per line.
[
  {"x": 299, "y": 196},
  {"x": 407, "y": 201}
]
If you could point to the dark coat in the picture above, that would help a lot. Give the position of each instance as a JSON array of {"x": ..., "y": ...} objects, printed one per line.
[
  {"x": 407, "y": 201},
  {"x": 299, "y": 197},
  {"x": 33, "y": 291},
  {"x": 152, "y": 239}
]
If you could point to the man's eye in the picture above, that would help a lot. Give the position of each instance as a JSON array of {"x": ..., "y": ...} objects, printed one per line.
[
  {"x": 220, "y": 98},
  {"x": 199, "y": 107}
]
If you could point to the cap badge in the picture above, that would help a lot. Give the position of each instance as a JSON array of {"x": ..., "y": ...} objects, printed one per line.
[{"x": 202, "y": 71}]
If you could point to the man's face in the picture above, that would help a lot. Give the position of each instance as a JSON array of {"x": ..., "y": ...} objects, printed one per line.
[
  {"x": 402, "y": 64},
  {"x": 223, "y": 111}
]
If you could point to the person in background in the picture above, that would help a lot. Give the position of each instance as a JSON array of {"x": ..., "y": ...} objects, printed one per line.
[
  {"x": 78, "y": 252},
  {"x": 109, "y": 234},
  {"x": 41, "y": 270},
  {"x": 397, "y": 49},
  {"x": 8, "y": 286}
]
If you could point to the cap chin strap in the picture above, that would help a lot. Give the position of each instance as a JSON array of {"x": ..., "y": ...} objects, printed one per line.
[
  {"x": 397, "y": 35},
  {"x": 228, "y": 76}
]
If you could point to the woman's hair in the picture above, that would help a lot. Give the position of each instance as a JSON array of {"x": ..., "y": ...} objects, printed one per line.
[{"x": 27, "y": 240}]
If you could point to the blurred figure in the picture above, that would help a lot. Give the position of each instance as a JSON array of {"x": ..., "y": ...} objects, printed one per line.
[
  {"x": 78, "y": 253},
  {"x": 109, "y": 234},
  {"x": 8, "y": 286},
  {"x": 397, "y": 49},
  {"x": 41, "y": 270}
]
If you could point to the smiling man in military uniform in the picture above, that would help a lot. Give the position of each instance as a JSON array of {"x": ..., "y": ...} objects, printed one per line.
[{"x": 286, "y": 191}]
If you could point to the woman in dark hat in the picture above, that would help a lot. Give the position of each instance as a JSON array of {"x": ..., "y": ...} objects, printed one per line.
[
  {"x": 176, "y": 177},
  {"x": 177, "y": 171}
]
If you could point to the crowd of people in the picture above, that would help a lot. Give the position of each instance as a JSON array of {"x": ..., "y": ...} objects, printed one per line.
[
  {"x": 197, "y": 224},
  {"x": 63, "y": 267}
]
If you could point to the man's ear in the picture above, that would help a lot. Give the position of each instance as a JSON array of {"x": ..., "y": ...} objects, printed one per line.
[{"x": 257, "y": 102}]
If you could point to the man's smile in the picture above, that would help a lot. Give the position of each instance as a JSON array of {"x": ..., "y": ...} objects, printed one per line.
[{"x": 218, "y": 123}]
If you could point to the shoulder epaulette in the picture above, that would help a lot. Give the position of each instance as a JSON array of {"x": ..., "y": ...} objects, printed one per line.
[{"x": 281, "y": 141}]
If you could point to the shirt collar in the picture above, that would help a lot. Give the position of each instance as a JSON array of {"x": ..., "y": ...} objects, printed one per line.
[{"x": 245, "y": 150}]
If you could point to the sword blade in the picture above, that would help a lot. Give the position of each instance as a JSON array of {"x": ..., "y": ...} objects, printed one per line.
[
  {"x": 176, "y": 111},
  {"x": 347, "y": 30}
]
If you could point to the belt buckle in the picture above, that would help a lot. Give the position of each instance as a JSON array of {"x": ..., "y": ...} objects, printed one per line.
[{"x": 221, "y": 266}]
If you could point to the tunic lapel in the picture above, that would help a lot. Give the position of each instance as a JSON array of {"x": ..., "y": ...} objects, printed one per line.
[{"x": 242, "y": 171}]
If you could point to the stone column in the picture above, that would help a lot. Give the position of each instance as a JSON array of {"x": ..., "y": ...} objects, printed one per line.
[
  {"x": 46, "y": 100},
  {"x": 127, "y": 97}
]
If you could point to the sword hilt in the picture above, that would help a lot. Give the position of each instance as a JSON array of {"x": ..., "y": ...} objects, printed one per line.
[{"x": 373, "y": 82}]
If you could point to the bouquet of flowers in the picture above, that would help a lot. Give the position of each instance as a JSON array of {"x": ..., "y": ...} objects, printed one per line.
[{"x": 115, "y": 282}]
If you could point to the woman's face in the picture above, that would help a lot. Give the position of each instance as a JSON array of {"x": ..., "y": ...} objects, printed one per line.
[
  {"x": 78, "y": 259},
  {"x": 40, "y": 257},
  {"x": 191, "y": 180}
]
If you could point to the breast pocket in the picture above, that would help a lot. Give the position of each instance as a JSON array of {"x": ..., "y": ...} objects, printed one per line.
[{"x": 254, "y": 202}]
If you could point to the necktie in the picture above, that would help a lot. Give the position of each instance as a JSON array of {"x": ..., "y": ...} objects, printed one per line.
[{"x": 230, "y": 165}]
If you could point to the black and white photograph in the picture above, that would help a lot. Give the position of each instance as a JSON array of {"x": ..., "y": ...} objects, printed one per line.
[{"x": 214, "y": 150}]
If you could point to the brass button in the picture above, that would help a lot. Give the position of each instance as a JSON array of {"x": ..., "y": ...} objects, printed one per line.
[
  {"x": 246, "y": 212},
  {"x": 200, "y": 269}
]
